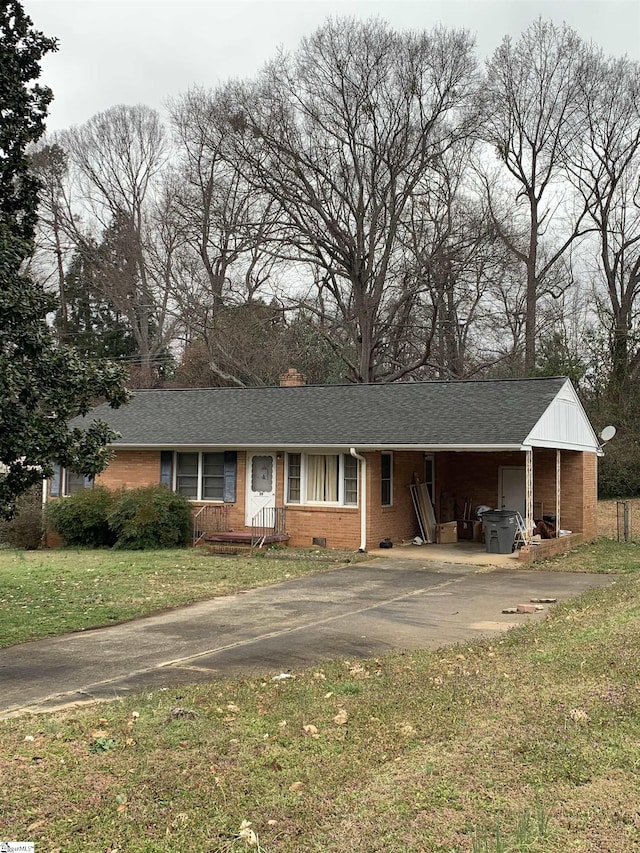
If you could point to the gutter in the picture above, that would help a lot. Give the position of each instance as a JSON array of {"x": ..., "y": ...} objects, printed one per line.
[
  {"x": 318, "y": 447},
  {"x": 363, "y": 499}
]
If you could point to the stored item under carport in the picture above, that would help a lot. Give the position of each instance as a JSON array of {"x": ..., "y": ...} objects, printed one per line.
[
  {"x": 447, "y": 533},
  {"x": 470, "y": 530},
  {"x": 500, "y": 527}
]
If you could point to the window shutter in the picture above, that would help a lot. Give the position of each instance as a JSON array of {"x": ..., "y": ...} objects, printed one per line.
[
  {"x": 56, "y": 482},
  {"x": 166, "y": 468},
  {"x": 230, "y": 465}
]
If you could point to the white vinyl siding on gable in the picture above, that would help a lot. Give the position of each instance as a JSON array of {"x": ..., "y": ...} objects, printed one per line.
[
  {"x": 564, "y": 424},
  {"x": 322, "y": 478}
]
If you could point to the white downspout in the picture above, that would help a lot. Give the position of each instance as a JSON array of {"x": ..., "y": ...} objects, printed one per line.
[{"x": 363, "y": 499}]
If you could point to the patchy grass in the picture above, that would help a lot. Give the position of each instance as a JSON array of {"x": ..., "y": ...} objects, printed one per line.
[
  {"x": 44, "y": 593},
  {"x": 602, "y": 556},
  {"x": 528, "y": 743}
]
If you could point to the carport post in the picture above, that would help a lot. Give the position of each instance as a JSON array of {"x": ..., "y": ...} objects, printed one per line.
[
  {"x": 528, "y": 504},
  {"x": 558, "y": 468}
]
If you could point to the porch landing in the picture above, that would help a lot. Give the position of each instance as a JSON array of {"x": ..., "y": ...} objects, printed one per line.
[{"x": 244, "y": 537}]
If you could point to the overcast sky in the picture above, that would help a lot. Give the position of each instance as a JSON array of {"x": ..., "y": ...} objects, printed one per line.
[{"x": 145, "y": 51}]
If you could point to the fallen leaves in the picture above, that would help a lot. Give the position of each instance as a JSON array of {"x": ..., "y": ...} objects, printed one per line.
[
  {"x": 341, "y": 717},
  {"x": 247, "y": 834},
  {"x": 406, "y": 729},
  {"x": 182, "y": 714},
  {"x": 96, "y": 734},
  {"x": 578, "y": 715}
]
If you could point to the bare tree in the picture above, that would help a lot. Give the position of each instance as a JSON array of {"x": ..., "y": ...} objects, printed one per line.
[
  {"x": 455, "y": 258},
  {"x": 118, "y": 157},
  {"x": 226, "y": 229},
  {"x": 604, "y": 165},
  {"x": 339, "y": 135},
  {"x": 531, "y": 106},
  {"x": 49, "y": 163}
]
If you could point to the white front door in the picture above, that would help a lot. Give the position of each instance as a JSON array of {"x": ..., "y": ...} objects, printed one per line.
[
  {"x": 261, "y": 483},
  {"x": 512, "y": 489}
]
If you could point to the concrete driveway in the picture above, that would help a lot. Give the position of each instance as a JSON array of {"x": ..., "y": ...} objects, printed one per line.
[{"x": 358, "y": 611}]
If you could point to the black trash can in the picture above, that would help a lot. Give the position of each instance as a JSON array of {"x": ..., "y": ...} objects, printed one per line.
[{"x": 500, "y": 528}]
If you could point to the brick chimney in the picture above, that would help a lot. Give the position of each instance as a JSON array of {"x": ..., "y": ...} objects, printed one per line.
[{"x": 292, "y": 378}]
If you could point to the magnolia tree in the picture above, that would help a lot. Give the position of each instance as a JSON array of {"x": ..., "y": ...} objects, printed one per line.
[{"x": 42, "y": 384}]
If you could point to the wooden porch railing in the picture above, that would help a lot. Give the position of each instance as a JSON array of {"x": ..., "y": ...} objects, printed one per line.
[
  {"x": 267, "y": 522},
  {"x": 210, "y": 519}
]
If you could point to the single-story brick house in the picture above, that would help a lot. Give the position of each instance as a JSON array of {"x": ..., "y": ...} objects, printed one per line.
[{"x": 337, "y": 460}]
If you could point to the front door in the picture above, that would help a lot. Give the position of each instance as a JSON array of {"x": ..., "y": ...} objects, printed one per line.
[
  {"x": 512, "y": 489},
  {"x": 261, "y": 483}
]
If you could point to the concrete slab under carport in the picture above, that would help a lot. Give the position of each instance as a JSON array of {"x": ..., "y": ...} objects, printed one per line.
[
  {"x": 358, "y": 611},
  {"x": 462, "y": 552}
]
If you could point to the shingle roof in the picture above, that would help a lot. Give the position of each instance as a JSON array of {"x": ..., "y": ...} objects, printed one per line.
[{"x": 459, "y": 413}]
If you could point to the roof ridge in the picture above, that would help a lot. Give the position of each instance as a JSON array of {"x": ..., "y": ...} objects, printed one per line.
[{"x": 353, "y": 384}]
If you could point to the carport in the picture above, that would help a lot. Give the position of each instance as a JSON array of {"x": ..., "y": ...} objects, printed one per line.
[{"x": 535, "y": 453}]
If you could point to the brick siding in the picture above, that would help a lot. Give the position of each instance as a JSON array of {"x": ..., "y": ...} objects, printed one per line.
[
  {"x": 457, "y": 476},
  {"x": 397, "y": 522},
  {"x": 131, "y": 469},
  {"x": 469, "y": 475}
]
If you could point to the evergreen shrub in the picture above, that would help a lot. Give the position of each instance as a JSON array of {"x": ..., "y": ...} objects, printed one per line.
[
  {"x": 150, "y": 517},
  {"x": 82, "y": 518}
]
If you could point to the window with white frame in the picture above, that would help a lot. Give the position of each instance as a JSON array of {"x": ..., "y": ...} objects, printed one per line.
[
  {"x": 429, "y": 475},
  {"x": 386, "y": 479},
  {"x": 67, "y": 482},
  {"x": 202, "y": 476},
  {"x": 322, "y": 478}
]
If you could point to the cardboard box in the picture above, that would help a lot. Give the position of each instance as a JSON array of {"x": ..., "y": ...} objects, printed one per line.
[{"x": 447, "y": 533}]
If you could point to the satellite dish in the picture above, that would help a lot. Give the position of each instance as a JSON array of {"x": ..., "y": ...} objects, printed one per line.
[{"x": 607, "y": 433}]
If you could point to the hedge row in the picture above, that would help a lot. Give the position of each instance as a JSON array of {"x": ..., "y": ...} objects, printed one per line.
[{"x": 138, "y": 519}]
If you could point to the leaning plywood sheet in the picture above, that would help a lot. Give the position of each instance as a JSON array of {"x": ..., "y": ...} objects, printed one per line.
[
  {"x": 425, "y": 515},
  {"x": 414, "y": 497},
  {"x": 428, "y": 512}
]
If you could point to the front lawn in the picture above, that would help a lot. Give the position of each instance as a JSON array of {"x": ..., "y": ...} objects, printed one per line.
[
  {"x": 527, "y": 743},
  {"x": 43, "y": 593}
]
